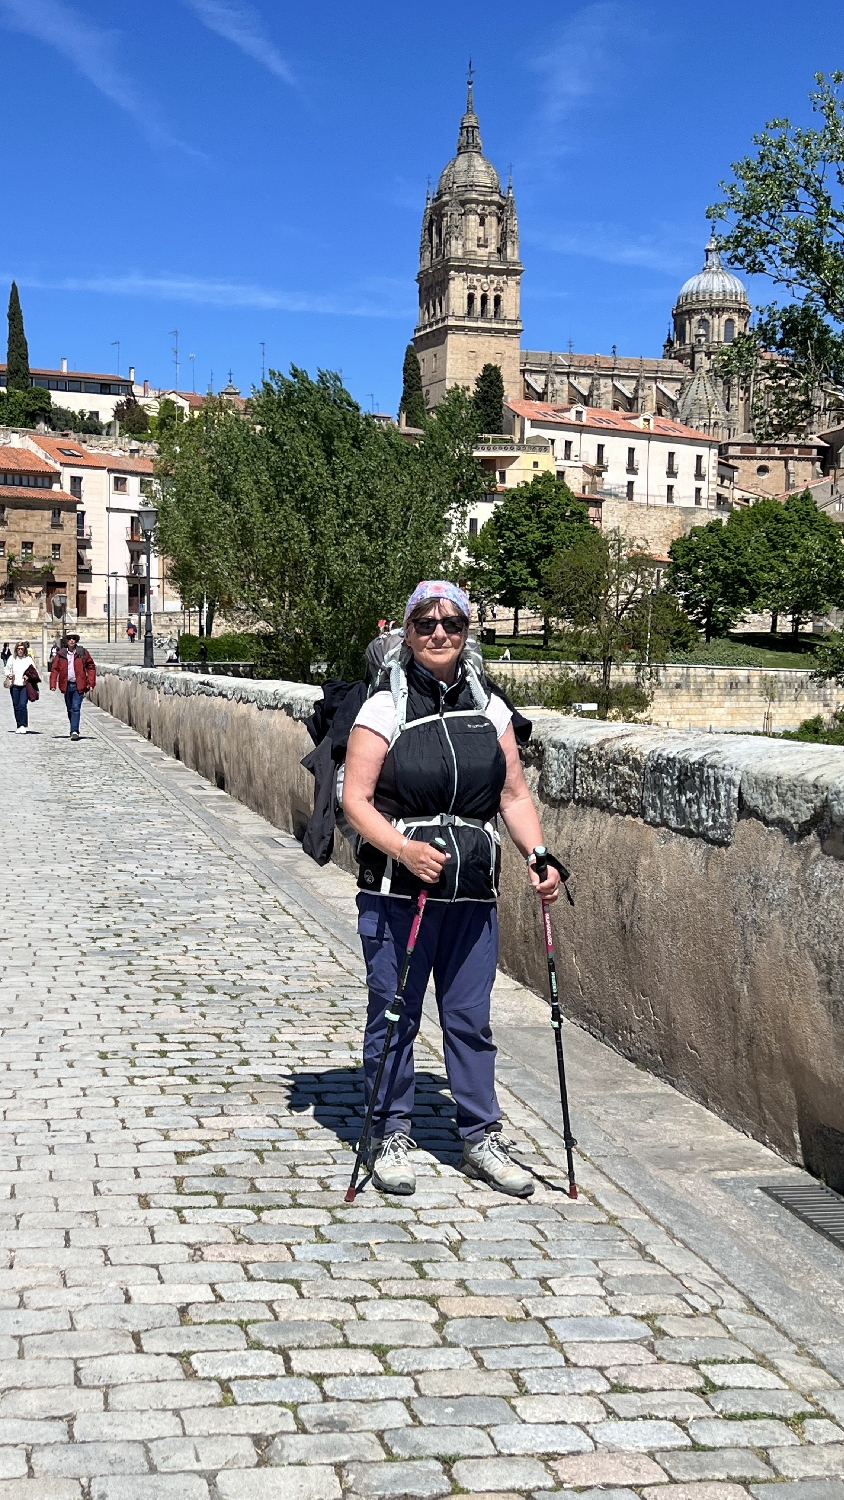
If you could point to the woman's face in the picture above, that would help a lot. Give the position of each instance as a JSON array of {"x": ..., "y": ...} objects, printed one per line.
[
  {"x": 440, "y": 651},
  {"x": 20, "y": 651}
]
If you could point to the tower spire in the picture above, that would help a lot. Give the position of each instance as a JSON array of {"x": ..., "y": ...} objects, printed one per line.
[{"x": 469, "y": 138}]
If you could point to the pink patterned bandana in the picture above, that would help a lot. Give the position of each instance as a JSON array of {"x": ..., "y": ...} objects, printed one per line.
[{"x": 437, "y": 588}]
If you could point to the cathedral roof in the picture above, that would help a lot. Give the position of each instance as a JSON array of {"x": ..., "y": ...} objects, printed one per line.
[
  {"x": 713, "y": 283},
  {"x": 469, "y": 168}
]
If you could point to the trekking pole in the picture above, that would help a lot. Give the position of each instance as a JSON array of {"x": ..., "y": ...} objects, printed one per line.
[
  {"x": 393, "y": 1015},
  {"x": 542, "y": 860}
]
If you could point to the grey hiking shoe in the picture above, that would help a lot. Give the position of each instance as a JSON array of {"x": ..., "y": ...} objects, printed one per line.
[
  {"x": 390, "y": 1168},
  {"x": 489, "y": 1159}
]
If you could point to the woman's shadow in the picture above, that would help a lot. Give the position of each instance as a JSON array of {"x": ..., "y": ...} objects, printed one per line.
[{"x": 335, "y": 1098}]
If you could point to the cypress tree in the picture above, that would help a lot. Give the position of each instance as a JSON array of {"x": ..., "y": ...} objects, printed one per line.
[
  {"x": 412, "y": 399},
  {"x": 489, "y": 399},
  {"x": 17, "y": 353}
]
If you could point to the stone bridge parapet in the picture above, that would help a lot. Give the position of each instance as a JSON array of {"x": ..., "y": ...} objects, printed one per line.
[{"x": 708, "y": 876}]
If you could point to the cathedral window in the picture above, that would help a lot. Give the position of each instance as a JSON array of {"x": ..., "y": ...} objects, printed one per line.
[
  {"x": 703, "y": 327},
  {"x": 482, "y": 230},
  {"x": 496, "y": 306},
  {"x": 484, "y": 305},
  {"x": 729, "y": 331},
  {"x": 470, "y": 305}
]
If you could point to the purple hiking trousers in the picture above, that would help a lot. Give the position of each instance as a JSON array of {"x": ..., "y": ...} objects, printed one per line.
[{"x": 458, "y": 944}]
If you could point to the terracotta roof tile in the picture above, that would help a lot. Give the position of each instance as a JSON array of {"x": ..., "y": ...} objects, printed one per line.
[
  {"x": 600, "y": 416},
  {"x": 22, "y": 460},
  {"x": 72, "y": 454},
  {"x": 23, "y": 492}
]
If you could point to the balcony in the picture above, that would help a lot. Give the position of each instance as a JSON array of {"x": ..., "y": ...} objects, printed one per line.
[
  {"x": 632, "y": 469},
  {"x": 84, "y": 537},
  {"x": 134, "y": 538},
  {"x": 672, "y": 472}
]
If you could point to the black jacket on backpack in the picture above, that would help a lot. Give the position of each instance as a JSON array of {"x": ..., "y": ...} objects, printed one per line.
[{"x": 442, "y": 776}]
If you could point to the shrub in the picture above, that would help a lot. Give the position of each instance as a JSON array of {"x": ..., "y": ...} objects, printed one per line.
[
  {"x": 819, "y": 731},
  {"x": 624, "y": 701}
]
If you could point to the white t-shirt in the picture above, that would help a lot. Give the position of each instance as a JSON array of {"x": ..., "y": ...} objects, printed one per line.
[
  {"x": 379, "y": 713},
  {"x": 17, "y": 666}
]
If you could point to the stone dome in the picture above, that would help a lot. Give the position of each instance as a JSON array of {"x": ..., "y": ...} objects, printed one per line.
[
  {"x": 713, "y": 283},
  {"x": 469, "y": 168}
]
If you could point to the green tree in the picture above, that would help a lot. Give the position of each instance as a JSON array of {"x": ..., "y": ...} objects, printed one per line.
[
  {"x": 133, "y": 417},
  {"x": 62, "y": 419},
  {"x": 412, "y": 397},
  {"x": 806, "y": 572},
  {"x": 25, "y": 408},
  {"x": 829, "y": 658},
  {"x": 489, "y": 399},
  {"x": 530, "y": 524},
  {"x": 17, "y": 352},
  {"x": 596, "y": 587},
  {"x": 784, "y": 212},
  {"x": 306, "y": 517},
  {"x": 712, "y": 575},
  {"x": 659, "y": 627}
]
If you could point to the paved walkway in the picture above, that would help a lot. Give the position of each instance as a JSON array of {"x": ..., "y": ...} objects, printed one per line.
[{"x": 188, "y": 1309}]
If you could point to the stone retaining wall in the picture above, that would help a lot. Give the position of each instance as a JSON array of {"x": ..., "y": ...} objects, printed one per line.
[
  {"x": 708, "y": 873},
  {"x": 744, "y": 699}
]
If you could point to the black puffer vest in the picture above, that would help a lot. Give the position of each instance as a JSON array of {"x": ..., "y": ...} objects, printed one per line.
[{"x": 442, "y": 776}]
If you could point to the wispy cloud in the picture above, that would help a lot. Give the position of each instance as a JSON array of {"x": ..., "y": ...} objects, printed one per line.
[
  {"x": 611, "y": 243},
  {"x": 241, "y": 25},
  {"x": 93, "y": 51},
  {"x": 212, "y": 293},
  {"x": 576, "y": 63}
]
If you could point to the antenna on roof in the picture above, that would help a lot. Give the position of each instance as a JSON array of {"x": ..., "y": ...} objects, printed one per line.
[
  {"x": 117, "y": 342},
  {"x": 174, "y": 334},
  {"x": 192, "y": 358}
]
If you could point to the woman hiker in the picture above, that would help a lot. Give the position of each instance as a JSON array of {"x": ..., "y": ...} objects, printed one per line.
[
  {"x": 20, "y": 672},
  {"x": 434, "y": 755}
]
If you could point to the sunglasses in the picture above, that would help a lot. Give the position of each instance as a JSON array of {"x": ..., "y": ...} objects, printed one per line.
[{"x": 451, "y": 624}]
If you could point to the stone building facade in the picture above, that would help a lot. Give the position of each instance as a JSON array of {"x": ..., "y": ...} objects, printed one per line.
[
  {"x": 38, "y": 540},
  {"x": 469, "y": 273}
]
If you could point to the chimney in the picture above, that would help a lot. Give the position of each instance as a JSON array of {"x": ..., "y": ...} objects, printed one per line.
[
  {"x": 131, "y": 374},
  {"x": 146, "y": 387},
  {"x": 64, "y": 364}
]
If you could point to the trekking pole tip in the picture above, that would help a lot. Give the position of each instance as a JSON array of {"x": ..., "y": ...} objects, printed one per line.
[{"x": 572, "y": 1190}]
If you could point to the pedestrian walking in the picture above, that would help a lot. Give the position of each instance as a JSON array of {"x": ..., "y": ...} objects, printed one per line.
[
  {"x": 5, "y": 653},
  {"x": 22, "y": 680},
  {"x": 73, "y": 672},
  {"x": 434, "y": 755},
  {"x": 131, "y": 631}
]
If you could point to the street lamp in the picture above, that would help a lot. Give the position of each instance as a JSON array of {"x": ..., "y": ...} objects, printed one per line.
[{"x": 148, "y": 518}]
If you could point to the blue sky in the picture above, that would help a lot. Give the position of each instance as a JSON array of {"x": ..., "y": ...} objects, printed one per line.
[{"x": 248, "y": 172}]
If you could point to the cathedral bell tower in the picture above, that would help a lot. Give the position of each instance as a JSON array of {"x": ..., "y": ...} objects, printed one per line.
[{"x": 469, "y": 273}]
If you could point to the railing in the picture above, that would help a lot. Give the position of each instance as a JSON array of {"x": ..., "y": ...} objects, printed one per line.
[
  {"x": 134, "y": 538},
  {"x": 672, "y": 473},
  {"x": 84, "y": 537}
]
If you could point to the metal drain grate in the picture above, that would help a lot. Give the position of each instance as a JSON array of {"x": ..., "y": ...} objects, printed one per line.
[{"x": 816, "y": 1205}]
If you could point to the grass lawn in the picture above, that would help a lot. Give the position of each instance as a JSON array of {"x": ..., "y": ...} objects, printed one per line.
[{"x": 739, "y": 649}]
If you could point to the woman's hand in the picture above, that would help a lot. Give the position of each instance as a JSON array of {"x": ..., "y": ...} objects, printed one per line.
[
  {"x": 549, "y": 888},
  {"x": 423, "y": 861}
]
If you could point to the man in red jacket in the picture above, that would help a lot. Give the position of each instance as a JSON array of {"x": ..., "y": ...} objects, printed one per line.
[{"x": 73, "y": 673}]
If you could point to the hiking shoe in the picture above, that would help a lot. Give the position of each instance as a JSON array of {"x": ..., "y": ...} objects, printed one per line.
[
  {"x": 390, "y": 1168},
  {"x": 489, "y": 1159},
  {"x": 74, "y": 734}
]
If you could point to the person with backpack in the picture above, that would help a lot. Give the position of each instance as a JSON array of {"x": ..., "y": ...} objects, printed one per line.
[
  {"x": 74, "y": 674},
  {"x": 432, "y": 754},
  {"x": 22, "y": 680}
]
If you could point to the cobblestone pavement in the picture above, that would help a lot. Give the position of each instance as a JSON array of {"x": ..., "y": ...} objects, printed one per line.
[{"x": 189, "y": 1310}]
